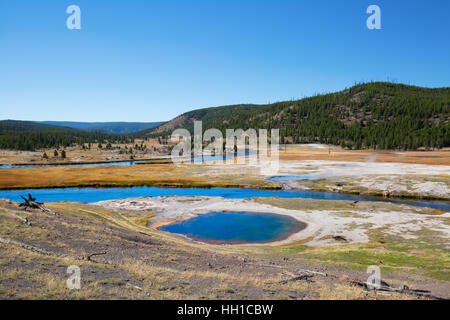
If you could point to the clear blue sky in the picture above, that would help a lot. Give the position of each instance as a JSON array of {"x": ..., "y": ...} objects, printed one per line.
[{"x": 152, "y": 60}]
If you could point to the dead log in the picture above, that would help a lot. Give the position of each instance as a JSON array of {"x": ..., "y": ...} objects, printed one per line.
[
  {"x": 384, "y": 286},
  {"x": 35, "y": 249},
  {"x": 316, "y": 273},
  {"x": 31, "y": 203},
  {"x": 402, "y": 289},
  {"x": 133, "y": 286},
  {"x": 24, "y": 220},
  {"x": 304, "y": 277},
  {"x": 89, "y": 256},
  {"x": 51, "y": 253}
]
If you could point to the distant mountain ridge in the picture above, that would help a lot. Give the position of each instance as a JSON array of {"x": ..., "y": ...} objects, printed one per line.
[
  {"x": 377, "y": 115},
  {"x": 108, "y": 127}
]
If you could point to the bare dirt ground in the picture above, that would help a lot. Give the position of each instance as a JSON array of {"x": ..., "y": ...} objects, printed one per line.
[{"x": 136, "y": 262}]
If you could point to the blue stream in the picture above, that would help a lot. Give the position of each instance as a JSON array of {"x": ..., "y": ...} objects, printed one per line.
[{"x": 100, "y": 194}]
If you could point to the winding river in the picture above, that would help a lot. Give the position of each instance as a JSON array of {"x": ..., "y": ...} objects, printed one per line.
[
  {"x": 91, "y": 195},
  {"x": 214, "y": 227}
]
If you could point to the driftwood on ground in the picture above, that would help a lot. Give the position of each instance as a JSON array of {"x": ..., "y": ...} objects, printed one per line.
[
  {"x": 87, "y": 257},
  {"x": 31, "y": 203},
  {"x": 304, "y": 277},
  {"x": 402, "y": 289},
  {"x": 308, "y": 274}
]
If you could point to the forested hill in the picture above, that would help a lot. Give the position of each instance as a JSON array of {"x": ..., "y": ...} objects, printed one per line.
[
  {"x": 213, "y": 117},
  {"x": 27, "y": 135},
  {"x": 375, "y": 115},
  {"x": 108, "y": 127}
]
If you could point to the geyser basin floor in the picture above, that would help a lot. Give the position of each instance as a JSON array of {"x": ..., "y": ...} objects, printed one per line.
[
  {"x": 236, "y": 227},
  {"x": 324, "y": 218}
]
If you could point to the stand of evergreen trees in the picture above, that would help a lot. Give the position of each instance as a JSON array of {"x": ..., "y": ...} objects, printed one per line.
[
  {"x": 376, "y": 115},
  {"x": 25, "y": 135}
]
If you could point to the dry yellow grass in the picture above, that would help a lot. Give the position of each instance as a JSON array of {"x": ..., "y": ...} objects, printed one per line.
[
  {"x": 295, "y": 152},
  {"x": 119, "y": 176},
  {"x": 159, "y": 174}
]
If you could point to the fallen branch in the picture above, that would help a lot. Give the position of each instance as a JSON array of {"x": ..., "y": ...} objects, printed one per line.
[
  {"x": 33, "y": 248},
  {"x": 283, "y": 267},
  {"x": 267, "y": 265},
  {"x": 304, "y": 277},
  {"x": 51, "y": 253},
  {"x": 316, "y": 273},
  {"x": 384, "y": 286},
  {"x": 24, "y": 220},
  {"x": 89, "y": 256},
  {"x": 135, "y": 287},
  {"x": 403, "y": 289}
]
